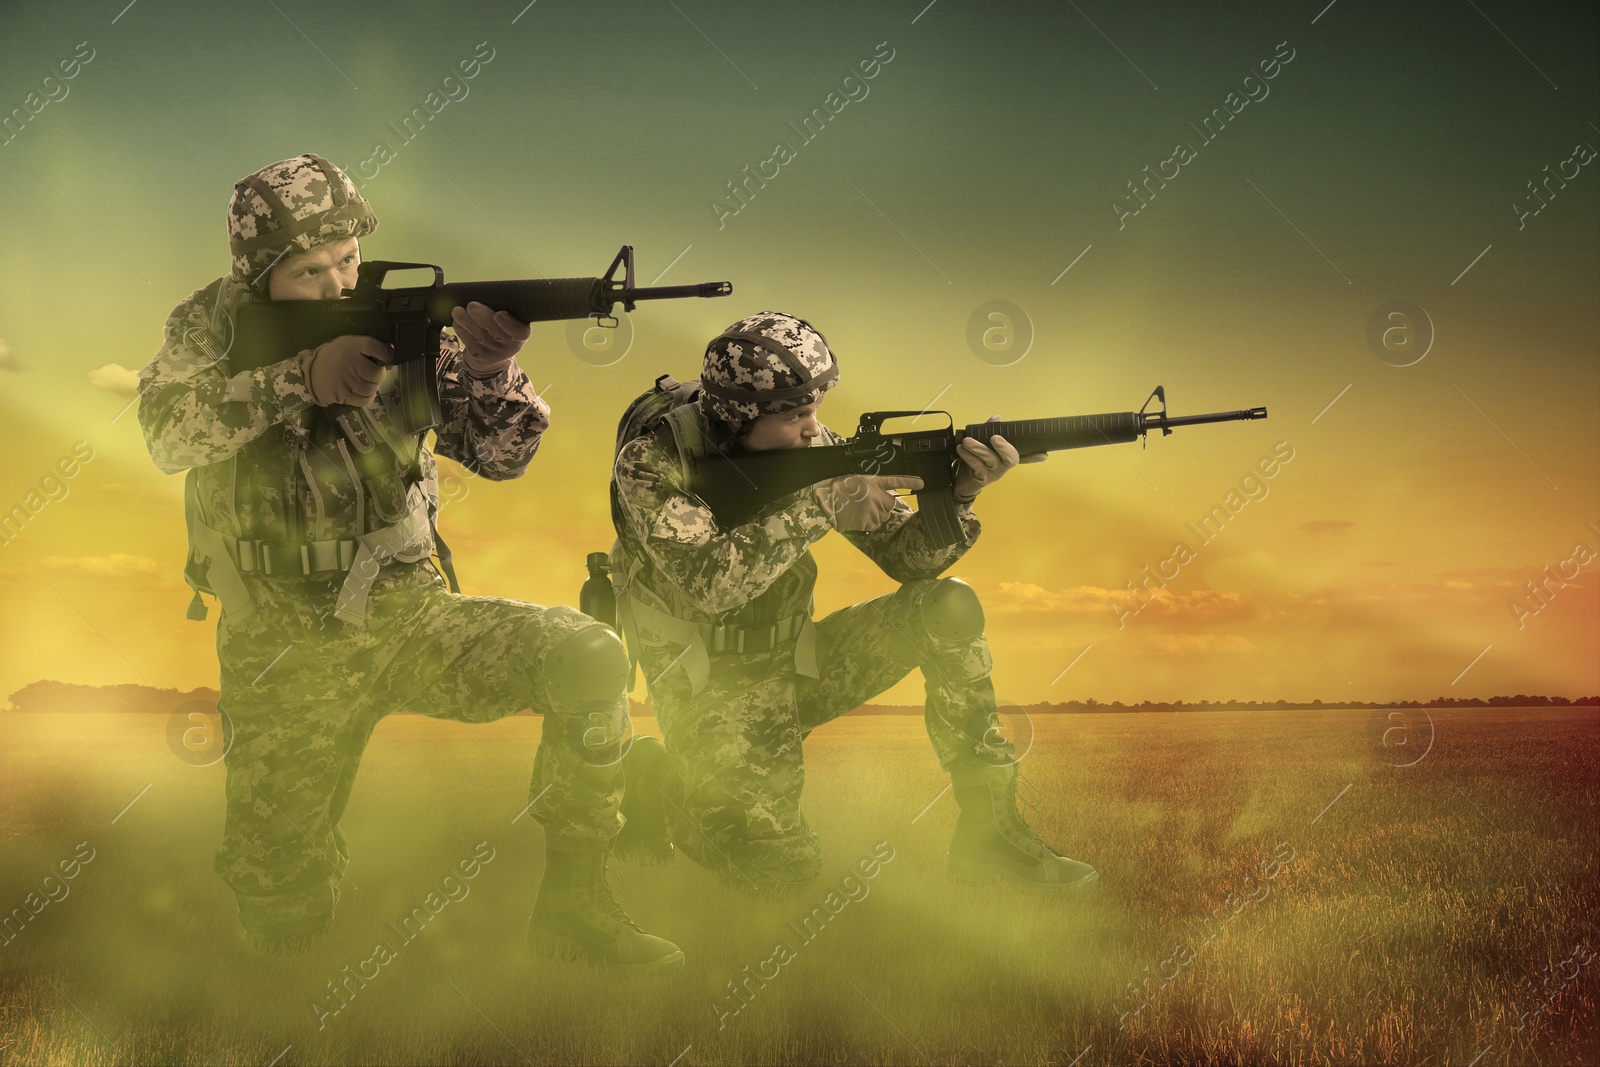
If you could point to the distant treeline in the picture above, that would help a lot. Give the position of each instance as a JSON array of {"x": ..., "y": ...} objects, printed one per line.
[
  {"x": 69, "y": 697},
  {"x": 1072, "y": 707}
]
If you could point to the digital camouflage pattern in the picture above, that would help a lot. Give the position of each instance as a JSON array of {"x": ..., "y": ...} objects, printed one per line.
[
  {"x": 303, "y": 689},
  {"x": 719, "y": 574},
  {"x": 761, "y": 364},
  {"x": 289, "y": 207},
  {"x": 735, "y": 745},
  {"x": 195, "y": 415}
]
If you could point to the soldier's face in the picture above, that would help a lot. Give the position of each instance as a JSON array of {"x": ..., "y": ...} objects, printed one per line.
[
  {"x": 788, "y": 429},
  {"x": 320, "y": 274}
]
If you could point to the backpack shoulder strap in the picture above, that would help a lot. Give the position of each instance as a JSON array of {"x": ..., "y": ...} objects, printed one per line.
[{"x": 688, "y": 428}]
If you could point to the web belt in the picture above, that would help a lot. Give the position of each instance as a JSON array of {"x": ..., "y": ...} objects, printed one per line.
[
  {"x": 760, "y": 639},
  {"x": 293, "y": 559}
]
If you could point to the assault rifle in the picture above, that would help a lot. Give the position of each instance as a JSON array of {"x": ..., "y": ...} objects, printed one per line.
[
  {"x": 410, "y": 319},
  {"x": 738, "y": 485}
]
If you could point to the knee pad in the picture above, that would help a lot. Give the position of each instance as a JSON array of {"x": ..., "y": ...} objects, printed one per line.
[
  {"x": 587, "y": 666},
  {"x": 951, "y": 613}
]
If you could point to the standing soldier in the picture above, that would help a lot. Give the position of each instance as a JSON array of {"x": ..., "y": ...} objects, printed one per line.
[
  {"x": 315, "y": 534},
  {"x": 739, "y": 674}
]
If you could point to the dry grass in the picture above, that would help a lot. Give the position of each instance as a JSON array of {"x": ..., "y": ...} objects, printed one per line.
[{"x": 1414, "y": 907}]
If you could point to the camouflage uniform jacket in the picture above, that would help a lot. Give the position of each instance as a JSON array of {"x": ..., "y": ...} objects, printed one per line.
[
  {"x": 756, "y": 574},
  {"x": 262, "y": 466}
]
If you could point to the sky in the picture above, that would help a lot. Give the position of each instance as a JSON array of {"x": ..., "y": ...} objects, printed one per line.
[{"x": 1383, "y": 225}]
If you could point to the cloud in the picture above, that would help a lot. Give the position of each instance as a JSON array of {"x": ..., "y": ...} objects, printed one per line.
[
  {"x": 115, "y": 378},
  {"x": 1200, "y": 606},
  {"x": 1501, "y": 576},
  {"x": 1326, "y": 526},
  {"x": 8, "y": 361},
  {"x": 117, "y": 563},
  {"x": 1164, "y": 645},
  {"x": 1197, "y": 606},
  {"x": 1080, "y": 599}
]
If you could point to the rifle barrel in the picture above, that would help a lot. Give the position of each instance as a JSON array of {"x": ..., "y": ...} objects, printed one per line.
[
  {"x": 1215, "y": 416},
  {"x": 1030, "y": 436},
  {"x": 676, "y": 292}
]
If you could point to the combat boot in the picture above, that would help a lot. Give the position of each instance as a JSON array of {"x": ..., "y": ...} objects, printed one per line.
[
  {"x": 645, "y": 840},
  {"x": 993, "y": 842},
  {"x": 576, "y": 918}
]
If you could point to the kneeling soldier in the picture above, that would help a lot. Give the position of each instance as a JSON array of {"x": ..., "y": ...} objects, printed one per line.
[
  {"x": 739, "y": 674},
  {"x": 315, "y": 533}
]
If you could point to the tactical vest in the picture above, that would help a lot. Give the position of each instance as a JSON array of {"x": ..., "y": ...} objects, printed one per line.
[
  {"x": 650, "y": 609},
  {"x": 328, "y": 491}
]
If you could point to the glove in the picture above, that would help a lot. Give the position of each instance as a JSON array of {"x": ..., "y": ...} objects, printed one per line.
[
  {"x": 861, "y": 501},
  {"x": 983, "y": 465},
  {"x": 346, "y": 370},
  {"x": 490, "y": 339}
]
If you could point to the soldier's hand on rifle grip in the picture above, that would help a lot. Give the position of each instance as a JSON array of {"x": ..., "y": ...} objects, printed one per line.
[
  {"x": 346, "y": 370},
  {"x": 862, "y": 501},
  {"x": 983, "y": 465},
  {"x": 490, "y": 339}
]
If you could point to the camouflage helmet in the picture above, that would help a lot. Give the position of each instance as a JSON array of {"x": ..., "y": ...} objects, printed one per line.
[
  {"x": 763, "y": 365},
  {"x": 290, "y": 207}
]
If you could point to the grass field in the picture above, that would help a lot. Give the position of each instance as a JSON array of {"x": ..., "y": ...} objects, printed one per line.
[{"x": 1437, "y": 913}]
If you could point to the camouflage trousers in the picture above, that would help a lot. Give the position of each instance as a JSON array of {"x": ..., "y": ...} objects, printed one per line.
[
  {"x": 303, "y": 691},
  {"x": 735, "y": 748}
]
